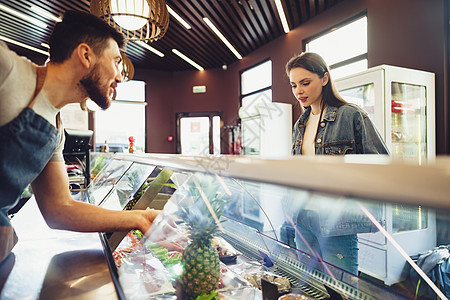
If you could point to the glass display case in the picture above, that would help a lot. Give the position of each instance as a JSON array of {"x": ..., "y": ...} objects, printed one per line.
[
  {"x": 305, "y": 232},
  {"x": 400, "y": 102}
]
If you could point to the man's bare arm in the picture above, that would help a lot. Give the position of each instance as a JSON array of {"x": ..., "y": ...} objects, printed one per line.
[{"x": 61, "y": 211}]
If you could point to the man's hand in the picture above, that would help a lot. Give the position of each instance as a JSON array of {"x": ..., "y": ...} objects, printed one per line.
[
  {"x": 147, "y": 218},
  {"x": 167, "y": 233}
]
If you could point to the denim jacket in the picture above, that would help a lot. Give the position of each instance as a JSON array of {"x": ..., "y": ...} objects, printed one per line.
[{"x": 343, "y": 130}]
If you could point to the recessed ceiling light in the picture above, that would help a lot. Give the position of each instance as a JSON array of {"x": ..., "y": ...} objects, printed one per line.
[
  {"x": 46, "y": 14},
  {"x": 148, "y": 47},
  {"x": 23, "y": 45},
  {"x": 282, "y": 16},
  {"x": 222, "y": 38},
  {"x": 179, "y": 19},
  {"x": 23, "y": 16},
  {"x": 193, "y": 63}
]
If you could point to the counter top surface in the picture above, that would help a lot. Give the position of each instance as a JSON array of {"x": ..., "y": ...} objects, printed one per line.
[{"x": 53, "y": 264}]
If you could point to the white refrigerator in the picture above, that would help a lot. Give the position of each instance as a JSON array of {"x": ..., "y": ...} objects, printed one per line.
[{"x": 401, "y": 103}]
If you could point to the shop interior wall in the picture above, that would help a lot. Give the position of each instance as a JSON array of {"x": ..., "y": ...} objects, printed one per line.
[
  {"x": 406, "y": 33},
  {"x": 160, "y": 91}
]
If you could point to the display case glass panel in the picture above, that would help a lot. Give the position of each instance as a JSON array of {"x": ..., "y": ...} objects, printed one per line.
[
  {"x": 127, "y": 186},
  {"x": 106, "y": 179},
  {"x": 327, "y": 245}
]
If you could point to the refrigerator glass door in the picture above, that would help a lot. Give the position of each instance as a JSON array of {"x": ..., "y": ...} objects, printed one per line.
[
  {"x": 408, "y": 117},
  {"x": 363, "y": 95},
  {"x": 408, "y": 218},
  {"x": 366, "y": 90}
]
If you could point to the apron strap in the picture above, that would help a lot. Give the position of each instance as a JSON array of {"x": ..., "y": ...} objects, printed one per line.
[{"x": 41, "y": 73}]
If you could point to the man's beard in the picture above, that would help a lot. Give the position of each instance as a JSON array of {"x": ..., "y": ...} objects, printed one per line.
[{"x": 90, "y": 83}]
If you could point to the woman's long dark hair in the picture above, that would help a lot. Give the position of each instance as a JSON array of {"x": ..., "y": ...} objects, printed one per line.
[{"x": 314, "y": 63}]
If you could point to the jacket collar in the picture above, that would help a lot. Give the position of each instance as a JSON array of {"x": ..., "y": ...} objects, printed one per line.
[{"x": 330, "y": 114}]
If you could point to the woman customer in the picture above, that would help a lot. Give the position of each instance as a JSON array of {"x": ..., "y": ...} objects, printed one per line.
[{"x": 331, "y": 126}]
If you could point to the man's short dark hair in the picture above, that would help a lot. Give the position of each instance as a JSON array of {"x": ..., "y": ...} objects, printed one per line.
[{"x": 81, "y": 27}]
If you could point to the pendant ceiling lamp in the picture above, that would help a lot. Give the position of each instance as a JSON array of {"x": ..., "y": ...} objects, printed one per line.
[
  {"x": 127, "y": 69},
  {"x": 138, "y": 20}
]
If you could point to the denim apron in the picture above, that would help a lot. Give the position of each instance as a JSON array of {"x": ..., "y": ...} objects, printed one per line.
[{"x": 27, "y": 144}]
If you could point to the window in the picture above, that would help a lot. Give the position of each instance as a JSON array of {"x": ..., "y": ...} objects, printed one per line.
[
  {"x": 256, "y": 91},
  {"x": 256, "y": 86},
  {"x": 124, "y": 118},
  {"x": 344, "y": 47}
]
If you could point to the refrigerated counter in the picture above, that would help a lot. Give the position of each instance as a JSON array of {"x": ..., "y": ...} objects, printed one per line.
[{"x": 281, "y": 217}]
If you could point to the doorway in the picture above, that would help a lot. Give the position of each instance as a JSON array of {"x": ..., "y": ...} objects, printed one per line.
[{"x": 198, "y": 133}]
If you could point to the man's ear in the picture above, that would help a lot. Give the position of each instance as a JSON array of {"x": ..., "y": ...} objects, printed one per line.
[
  {"x": 84, "y": 54},
  {"x": 325, "y": 78}
]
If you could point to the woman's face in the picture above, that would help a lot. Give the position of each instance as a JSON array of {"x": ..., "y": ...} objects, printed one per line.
[{"x": 307, "y": 87}]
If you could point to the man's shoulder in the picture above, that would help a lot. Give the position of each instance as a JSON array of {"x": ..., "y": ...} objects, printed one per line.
[
  {"x": 17, "y": 83},
  {"x": 6, "y": 60},
  {"x": 11, "y": 61}
]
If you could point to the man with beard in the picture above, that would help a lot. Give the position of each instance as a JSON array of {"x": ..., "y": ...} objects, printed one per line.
[{"x": 84, "y": 63}]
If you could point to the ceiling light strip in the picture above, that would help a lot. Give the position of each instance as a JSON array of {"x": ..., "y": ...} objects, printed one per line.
[
  {"x": 23, "y": 16},
  {"x": 282, "y": 16},
  {"x": 46, "y": 14},
  {"x": 222, "y": 38},
  {"x": 197, "y": 66},
  {"x": 148, "y": 47},
  {"x": 23, "y": 45},
  {"x": 179, "y": 19}
]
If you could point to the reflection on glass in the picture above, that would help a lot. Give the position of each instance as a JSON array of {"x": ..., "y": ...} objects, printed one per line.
[
  {"x": 364, "y": 96},
  {"x": 97, "y": 162},
  {"x": 106, "y": 179},
  {"x": 127, "y": 186},
  {"x": 406, "y": 218}
]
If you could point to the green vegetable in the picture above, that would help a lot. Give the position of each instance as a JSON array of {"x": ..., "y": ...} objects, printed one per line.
[
  {"x": 210, "y": 296},
  {"x": 163, "y": 254}
]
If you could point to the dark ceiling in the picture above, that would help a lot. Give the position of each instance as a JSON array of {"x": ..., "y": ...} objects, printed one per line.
[{"x": 247, "y": 24}]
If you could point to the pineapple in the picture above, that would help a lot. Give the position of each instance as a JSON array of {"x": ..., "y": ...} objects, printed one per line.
[{"x": 201, "y": 268}]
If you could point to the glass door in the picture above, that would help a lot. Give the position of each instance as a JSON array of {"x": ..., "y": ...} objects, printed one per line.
[
  {"x": 363, "y": 95},
  {"x": 410, "y": 121},
  {"x": 408, "y": 118},
  {"x": 365, "y": 89},
  {"x": 194, "y": 136},
  {"x": 198, "y": 133}
]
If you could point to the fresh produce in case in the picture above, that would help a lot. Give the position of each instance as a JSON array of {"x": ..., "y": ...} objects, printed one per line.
[
  {"x": 201, "y": 212},
  {"x": 227, "y": 253},
  {"x": 180, "y": 254}
]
